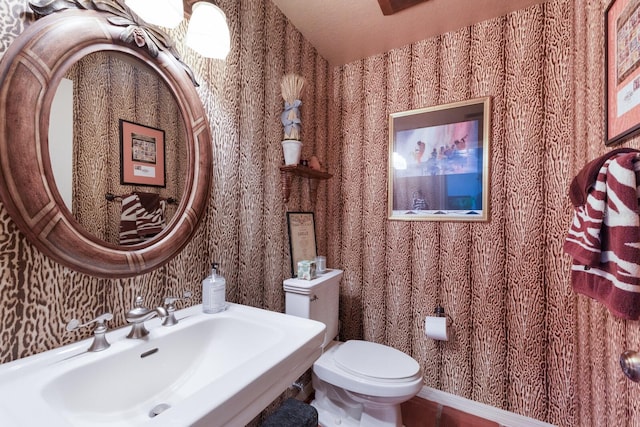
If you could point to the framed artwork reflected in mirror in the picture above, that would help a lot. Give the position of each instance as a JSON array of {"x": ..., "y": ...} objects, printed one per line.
[{"x": 141, "y": 155}]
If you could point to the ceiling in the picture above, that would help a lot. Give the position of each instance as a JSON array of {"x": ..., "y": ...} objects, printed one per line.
[{"x": 344, "y": 31}]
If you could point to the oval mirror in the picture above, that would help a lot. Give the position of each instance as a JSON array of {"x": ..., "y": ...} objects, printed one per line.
[
  {"x": 31, "y": 71},
  {"x": 88, "y": 172}
]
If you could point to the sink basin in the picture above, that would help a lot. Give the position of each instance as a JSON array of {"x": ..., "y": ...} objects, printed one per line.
[{"x": 218, "y": 369}]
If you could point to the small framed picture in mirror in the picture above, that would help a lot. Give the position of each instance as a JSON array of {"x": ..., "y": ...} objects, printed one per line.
[{"x": 142, "y": 151}]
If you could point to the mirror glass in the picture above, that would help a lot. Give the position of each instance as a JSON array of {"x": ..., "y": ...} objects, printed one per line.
[{"x": 99, "y": 93}]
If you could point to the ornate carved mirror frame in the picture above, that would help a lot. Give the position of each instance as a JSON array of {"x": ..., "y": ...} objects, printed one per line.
[{"x": 30, "y": 72}]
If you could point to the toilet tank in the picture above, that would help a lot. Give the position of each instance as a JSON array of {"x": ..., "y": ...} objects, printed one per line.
[{"x": 315, "y": 299}]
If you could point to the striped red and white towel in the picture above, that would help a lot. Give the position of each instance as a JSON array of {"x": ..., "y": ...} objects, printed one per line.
[
  {"x": 604, "y": 237},
  {"x": 142, "y": 217}
]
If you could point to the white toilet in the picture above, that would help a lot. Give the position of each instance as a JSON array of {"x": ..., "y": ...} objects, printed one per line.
[{"x": 357, "y": 383}]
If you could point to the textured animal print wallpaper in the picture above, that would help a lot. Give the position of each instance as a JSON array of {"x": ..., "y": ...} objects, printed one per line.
[{"x": 521, "y": 339}]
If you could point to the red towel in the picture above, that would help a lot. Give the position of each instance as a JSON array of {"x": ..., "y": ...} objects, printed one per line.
[
  {"x": 586, "y": 178},
  {"x": 142, "y": 217},
  {"x": 604, "y": 237},
  {"x": 149, "y": 201}
]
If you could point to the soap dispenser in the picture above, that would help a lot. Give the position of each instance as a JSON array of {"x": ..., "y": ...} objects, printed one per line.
[{"x": 213, "y": 291}]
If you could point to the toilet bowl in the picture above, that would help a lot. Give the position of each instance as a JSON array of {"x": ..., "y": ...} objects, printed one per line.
[
  {"x": 361, "y": 383},
  {"x": 356, "y": 383}
]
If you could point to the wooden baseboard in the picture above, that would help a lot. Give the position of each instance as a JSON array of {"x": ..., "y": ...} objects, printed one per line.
[{"x": 435, "y": 408}]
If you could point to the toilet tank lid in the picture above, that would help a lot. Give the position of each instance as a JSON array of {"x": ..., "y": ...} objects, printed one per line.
[{"x": 301, "y": 286}]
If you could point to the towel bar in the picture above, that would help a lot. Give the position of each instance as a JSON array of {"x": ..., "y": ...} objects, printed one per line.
[{"x": 112, "y": 197}]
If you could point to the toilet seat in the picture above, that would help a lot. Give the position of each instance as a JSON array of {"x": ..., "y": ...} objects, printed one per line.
[
  {"x": 375, "y": 361},
  {"x": 370, "y": 369}
]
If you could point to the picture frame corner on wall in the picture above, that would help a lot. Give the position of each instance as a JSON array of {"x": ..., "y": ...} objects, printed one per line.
[
  {"x": 302, "y": 238},
  {"x": 622, "y": 71},
  {"x": 142, "y": 154},
  {"x": 439, "y": 162}
]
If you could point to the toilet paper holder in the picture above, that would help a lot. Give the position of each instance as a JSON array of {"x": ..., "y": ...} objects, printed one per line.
[
  {"x": 439, "y": 312},
  {"x": 437, "y": 327}
]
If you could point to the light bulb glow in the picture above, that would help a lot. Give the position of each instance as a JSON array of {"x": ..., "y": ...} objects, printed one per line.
[
  {"x": 399, "y": 162},
  {"x": 165, "y": 13},
  {"x": 208, "y": 32}
]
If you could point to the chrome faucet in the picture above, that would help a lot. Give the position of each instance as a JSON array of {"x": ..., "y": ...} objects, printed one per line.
[
  {"x": 99, "y": 341},
  {"x": 138, "y": 315}
]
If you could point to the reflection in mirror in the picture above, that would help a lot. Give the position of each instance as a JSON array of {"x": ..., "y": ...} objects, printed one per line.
[
  {"x": 61, "y": 140},
  {"x": 102, "y": 89}
]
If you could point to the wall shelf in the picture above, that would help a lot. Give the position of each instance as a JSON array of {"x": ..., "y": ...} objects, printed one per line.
[{"x": 314, "y": 176}]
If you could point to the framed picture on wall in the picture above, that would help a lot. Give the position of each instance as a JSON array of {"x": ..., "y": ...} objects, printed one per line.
[
  {"x": 302, "y": 238},
  {"x": 622, "y": 70},
  {"x": 439, "y": 162},
  {"x": 142, "y": 155}
]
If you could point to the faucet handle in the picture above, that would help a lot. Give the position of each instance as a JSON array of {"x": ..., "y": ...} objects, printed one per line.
[
  {"x": 169, "y": 302},
  {"x": 99, "y": 341},
  {"x": 75, "y": 323}
]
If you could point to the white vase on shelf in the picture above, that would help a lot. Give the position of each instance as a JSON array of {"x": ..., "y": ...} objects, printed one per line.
[{"x": 291, "y": 149}]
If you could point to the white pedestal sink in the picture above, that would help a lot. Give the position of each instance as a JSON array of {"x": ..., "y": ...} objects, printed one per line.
[{"x": 208, "y": 370}]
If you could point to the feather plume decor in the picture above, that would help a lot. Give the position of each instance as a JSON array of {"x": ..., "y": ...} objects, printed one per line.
[{"x": 292, "y": 87}]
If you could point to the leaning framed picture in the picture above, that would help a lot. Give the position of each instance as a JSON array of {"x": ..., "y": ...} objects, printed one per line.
[
  {"x": 142, "y": 155},
  {"x": 302, "y": 238},
  {"x": 622, "y": 70},
  {"x": 439, "y": 162}
]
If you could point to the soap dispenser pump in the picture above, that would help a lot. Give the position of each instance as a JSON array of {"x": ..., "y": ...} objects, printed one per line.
[{"x": 213, "y": 291}]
